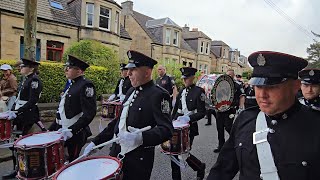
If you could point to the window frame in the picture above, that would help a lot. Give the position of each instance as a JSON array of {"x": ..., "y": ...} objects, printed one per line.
[
  {"x": 207, "y": 48},
  {"x": 175, "y": 37},
  {"x": 202, "y": 47},
  {"x": 55, "y": 49},
  {"x": 116, "y": 23},
  {"x": 87, "y": 14},
  {"x": 109, "y": 18},
  {"x": 168, "y": 37}
]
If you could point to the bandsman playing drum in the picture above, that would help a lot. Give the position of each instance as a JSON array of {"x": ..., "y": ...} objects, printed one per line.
[
  {"x": 279, "y": 139},
  {"x": 310, "y": 87},
  {"x": 189, "y": 108},
  {"x": 77, "y": 108},
  {"x": 146, "y": 104},
  {"x": 123, "y": 85}
]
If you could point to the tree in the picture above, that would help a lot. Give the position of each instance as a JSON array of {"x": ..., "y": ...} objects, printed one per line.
[{"x": 314, "y": 53}]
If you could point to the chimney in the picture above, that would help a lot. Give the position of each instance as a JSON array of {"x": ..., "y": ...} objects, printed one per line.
[
  {"x": 185, "y": 28},
  {"x": 195, "y": 29},
  {"x": 127, "y": 7}
]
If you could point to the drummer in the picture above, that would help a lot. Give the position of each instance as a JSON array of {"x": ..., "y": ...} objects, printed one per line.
[
  {"x": 124, "y": 84},
  {"x": 26, "y": 103},
  {"x": 146, "y": 104},
  {"x": 310, "y": 88},
  {"x": 77, "y": 108},
  {"x": 190, "y": 109}
]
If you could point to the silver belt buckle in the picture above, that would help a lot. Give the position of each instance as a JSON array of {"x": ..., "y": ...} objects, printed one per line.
[{"x": 260, "y": 136}]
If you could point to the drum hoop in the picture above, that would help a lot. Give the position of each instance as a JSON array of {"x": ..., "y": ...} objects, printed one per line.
[
  {"x": 25, "y": 147},
  {"x": 86, "y": 159},
  {"x": 227, "y": 102}
]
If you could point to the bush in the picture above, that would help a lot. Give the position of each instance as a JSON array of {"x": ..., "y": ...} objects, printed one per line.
[{"x": 53, "y": 79}]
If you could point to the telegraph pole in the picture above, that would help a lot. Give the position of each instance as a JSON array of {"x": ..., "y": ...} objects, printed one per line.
[{"x": 30, "y": 29}]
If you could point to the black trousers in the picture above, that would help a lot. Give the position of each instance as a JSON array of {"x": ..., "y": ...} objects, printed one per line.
[
  {"x": 224, "y": 122},
  {"x": 74, "y": 145},
  {"x": 192, "y": 161},
  {"x": 210, "y": 112}
]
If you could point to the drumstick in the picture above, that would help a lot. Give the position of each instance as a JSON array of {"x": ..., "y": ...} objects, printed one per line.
[
  {"x": 118, "y": 138},
  {"x": 6, "y": 145},
  {"x": 114, "y": 101}
]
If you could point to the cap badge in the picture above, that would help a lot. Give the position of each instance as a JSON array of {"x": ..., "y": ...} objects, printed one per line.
[
  {"x": 311, "y": 73},
  {"x": 261, "y": 60},
  {"x": 129, "y": 55}
]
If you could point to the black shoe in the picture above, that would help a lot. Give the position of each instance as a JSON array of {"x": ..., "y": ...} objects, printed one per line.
[
  {"x": 208, "y": 124},
  {"x": 201, "y": 173},
  {"x": 217, "y": 150},
  {"x": 10, "y": 175}
]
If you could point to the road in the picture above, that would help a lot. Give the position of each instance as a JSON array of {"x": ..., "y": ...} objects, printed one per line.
[{"x": 202, "y": 148}]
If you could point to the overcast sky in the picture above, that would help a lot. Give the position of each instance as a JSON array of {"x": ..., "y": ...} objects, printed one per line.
[{"x": 248, "y": 25}]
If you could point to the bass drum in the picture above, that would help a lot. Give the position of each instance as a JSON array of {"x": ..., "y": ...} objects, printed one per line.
[
  {"x": 223, "y": 93},
  {"x": 206, "y": 82}
]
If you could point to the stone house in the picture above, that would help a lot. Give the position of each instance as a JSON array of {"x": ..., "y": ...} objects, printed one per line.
[{"x": 61, "y": 23}]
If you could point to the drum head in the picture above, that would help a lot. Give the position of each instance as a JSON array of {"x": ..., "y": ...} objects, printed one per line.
[
  {"x": 90, "y": 168},
  {"x": 178, "y": 124},
  {"x": 223, "y": 93},
  {"x": 38, "y": 139}
]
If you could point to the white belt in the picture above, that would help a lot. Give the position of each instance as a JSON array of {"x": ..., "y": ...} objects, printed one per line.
[
  {"x": 189, "y": 112},
  {"x": 250, "y": 97},
  {"x": 19, "y": 104},
  {"x": 267, "y": 166},
  {"x": 66, "y": 123}
]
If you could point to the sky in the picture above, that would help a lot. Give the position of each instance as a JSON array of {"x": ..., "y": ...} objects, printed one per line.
[{"x": 248, "y": 25}]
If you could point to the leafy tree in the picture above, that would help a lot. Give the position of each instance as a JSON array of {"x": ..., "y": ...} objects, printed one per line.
[{"x": 314, "y": 53}]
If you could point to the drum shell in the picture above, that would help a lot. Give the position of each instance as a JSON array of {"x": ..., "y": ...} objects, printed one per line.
[
  {"x": 179, "y": 143},
  {"x": 5, "y": 129},
  {"x": 111, "y": 110},
  {"x": 39, "y": 161}
]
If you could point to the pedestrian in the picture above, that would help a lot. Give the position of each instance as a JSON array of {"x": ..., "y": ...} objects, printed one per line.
[
  {"x": 164, "y": 80},
  {"x": 279, "y": 139},
  {"x": 77, "y": 108},
  {"x": 310, "y": 87},
  {"x": 8, "y": 85},
  {"x": 26, "y": 102},
  {"x": 123, "y": 85},
  {"x": 225, "y": 119},
  {"x": 145, "y": 104},
  {"x": 189, "y": 108}
]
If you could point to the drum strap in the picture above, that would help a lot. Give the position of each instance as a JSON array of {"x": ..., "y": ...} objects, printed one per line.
[
  {"x": 260, "y": 139},
  {"x": 185, "y": 110},
  {"x": 122, "y": 124},
  {"x": 120, "y": 88},
  {"x": 65, "y": 122},
  {"x": 301, "y": 100}
]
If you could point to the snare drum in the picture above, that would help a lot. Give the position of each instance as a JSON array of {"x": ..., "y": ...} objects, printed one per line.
[
  {"x": 180, "y": 141},
  {"x": 102, "y": 167},
  {"x": 111, "y": 110},
  {"x": 39, "y": 155},
  {"x": 5, "y": 129}
]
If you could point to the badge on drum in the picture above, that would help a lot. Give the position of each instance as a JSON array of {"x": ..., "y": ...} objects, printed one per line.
[
  {"x": 165, "y": 106},
  {"x": 89, "y": 91},
  {"x": 203, "y": 97},
  {"x": 261, "y": 60},
  {"x": 34, "y": 84}
]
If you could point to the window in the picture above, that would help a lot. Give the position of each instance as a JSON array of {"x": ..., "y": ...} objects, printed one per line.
[
  {"x": 205, "y": 69},
  {"x": 56, "y": 5},
  {"x": 176, "y": 38},
  {"x": 38, "y": 48},
  {"x": 90, "y": 14},
  {"x": 200, "y": 67},
  {"x": 168, "y": 36},
  {"x": 190, "y": 64},
  {"x": 116, "y": 23},
  {"x": 54, "y": 50},
  {"x": 207, "y": 48},
  {"x": 104, "y": 21},
  {"x": 184, "y": 63},
  {"x": 202, "y": 47}
]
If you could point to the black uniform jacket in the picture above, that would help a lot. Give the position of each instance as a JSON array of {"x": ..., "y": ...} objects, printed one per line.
[
  {"x": 125, "y": 87},
  {"x": 166, "y": 82},
  {"x": 250, "y": 97},
  {"x": 238, "y": 92},
  {"x": 81, "y": 97},
  {"x": 149, "y": 108},
  {"x": 313, "y": 103},
  {"x": 30, "y": 91},
  {"x": 195, "y": 100},
  {"x": 295, "y": 145}
]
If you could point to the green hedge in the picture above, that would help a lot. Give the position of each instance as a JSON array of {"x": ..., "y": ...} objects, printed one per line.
[{"x": 53, "y": 79}]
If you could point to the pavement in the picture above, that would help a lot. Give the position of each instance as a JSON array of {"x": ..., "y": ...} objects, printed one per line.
[{"x": 202, "y": 148}]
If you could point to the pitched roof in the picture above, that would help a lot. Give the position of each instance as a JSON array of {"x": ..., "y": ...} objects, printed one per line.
[
  {"x": 218, "y": 43},
  {"x": 216, "y": 51},
  {"x": 70, "y": 14},
  {"x": 195, "y": 35},
  {"x": 161, "y": 22}
]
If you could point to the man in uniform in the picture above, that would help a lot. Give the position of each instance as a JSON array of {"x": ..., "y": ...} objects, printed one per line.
[
  {"x": 189, "y": 108},
  {"x": 310, "y": 87},
  {"x": 225, "y": 119},
  {"x": 250, "y": 100},
  {"x": 146, "y": 104},
  {"x": 77, "y": 108},
  {"x": 279, "y": 139},
  {"x": 26, "y": 102},
  {"x": 164, "y": 80},
  {"x": 123, "y": 85}
]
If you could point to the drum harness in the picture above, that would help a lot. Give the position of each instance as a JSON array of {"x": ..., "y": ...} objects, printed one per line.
[{"x": 260, "y": 139}]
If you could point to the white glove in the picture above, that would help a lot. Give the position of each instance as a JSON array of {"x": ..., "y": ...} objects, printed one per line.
[
  {"x": 8, "y": 115},
  {"x": 131, "y": 138},
  {"x": 122, "y": 97},
  {"x": 66, "y": 133},
  {"x": 111, "y": 97},
  {"x": 88, "y": 150},
  {"x": 184, "y": 119}
]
